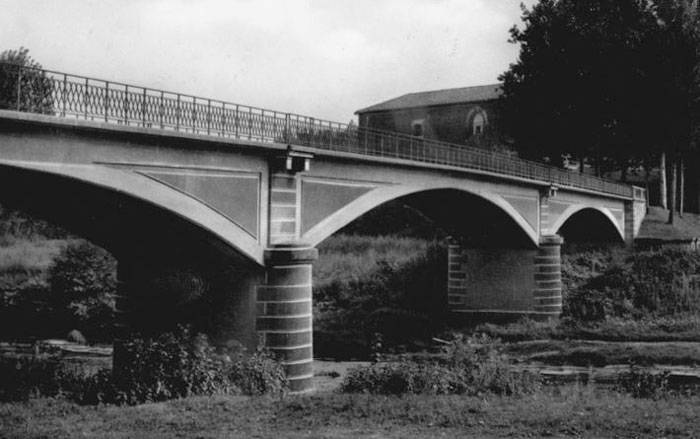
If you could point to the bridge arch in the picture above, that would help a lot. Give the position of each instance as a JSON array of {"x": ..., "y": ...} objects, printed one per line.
[
  {"x": 596, "y": 223},
  {"x": 379, "y": 196},
  {"x": 160, "y": 238},
  {"x": 134, "y": 187}
]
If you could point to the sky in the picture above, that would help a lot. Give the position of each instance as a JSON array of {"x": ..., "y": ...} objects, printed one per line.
[{"x": 322, "y": 58}]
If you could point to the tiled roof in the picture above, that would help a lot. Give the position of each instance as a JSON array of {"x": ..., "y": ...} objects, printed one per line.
[{"x": 438, "y": 97}]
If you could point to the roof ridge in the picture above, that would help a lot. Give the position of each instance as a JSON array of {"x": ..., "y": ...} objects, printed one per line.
[
  {"x": 455, "y": 88},
  {"x": 493, "y": 89}
]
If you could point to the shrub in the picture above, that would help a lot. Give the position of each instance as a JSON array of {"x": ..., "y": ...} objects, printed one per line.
[
  {"x": 403, "y": 302},
  {"x": 658, "y": 283},
  {"x": 643, "y": 384},
  {"x": 44, "y": 375},
  {"x": 83, "y": 288},
  {"x": 405, "y": 377},
  {"x": 173, "y": 365},
  {"x": 26, "y": 311},
  {"x": 258, "y": 374},
  {"x": 470, "y": 366},
  {"x": 180, "y": 364}
]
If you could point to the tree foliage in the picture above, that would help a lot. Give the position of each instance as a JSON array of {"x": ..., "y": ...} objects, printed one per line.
[
  {"x": 580, "y": 85},
  {"x": 23, "y": 85},
  {"x": 614, "y": 79}
]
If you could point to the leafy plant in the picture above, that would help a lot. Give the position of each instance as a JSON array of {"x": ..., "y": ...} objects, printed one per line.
[
  {"x": 644, "y": 384},
  {"x": 468, "y": 365},
  {"x": 83, "y": 289}
]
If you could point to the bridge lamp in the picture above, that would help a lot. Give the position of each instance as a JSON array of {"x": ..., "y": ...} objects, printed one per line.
[{"x": 294, "y": 161}]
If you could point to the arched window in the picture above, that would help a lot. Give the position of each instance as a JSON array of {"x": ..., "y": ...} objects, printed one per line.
[
  {"x": 478, "y": 122},
  {"x": 417, "y": 128}
]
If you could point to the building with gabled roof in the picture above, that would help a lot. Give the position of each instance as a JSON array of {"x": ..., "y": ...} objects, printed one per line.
[{"x": 457, "y": 115}]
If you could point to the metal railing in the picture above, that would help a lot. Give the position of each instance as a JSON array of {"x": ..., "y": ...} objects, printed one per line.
[{"x": 65, "y": 95}]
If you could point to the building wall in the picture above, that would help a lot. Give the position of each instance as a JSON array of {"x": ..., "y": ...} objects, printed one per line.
[{"x": 448, "y": 123}]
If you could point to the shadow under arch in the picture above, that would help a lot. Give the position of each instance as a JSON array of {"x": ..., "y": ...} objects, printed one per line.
[
  {"x": 588, "y": 224},
  {"x": 157, "y": 251},
  {"x": 483, "y": 219},
  {"x": 98, "y": 195}
]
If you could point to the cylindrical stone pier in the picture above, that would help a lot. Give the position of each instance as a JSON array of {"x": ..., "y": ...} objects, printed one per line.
[
  {"x": 284, "y": 321},
  {"x": 547, "y": 294}
]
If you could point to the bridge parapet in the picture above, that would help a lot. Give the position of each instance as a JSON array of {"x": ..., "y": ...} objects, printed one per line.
[{"x": 66, "y": 95}]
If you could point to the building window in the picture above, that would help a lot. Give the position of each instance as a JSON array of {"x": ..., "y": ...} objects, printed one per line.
[
  {"x": 417, "y": 128},
  {"x": 478, "y": 123}
]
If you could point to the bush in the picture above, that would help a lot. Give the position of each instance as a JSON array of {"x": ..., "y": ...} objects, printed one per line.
[
  {"x": 470, "y": 366},
  {"x": 403, "y": 302},
  {"x": 173, "y": 365},
  {"x": 642, "y": 384},
  {"x": 180, "y": 364},
  {"x": 46, "y": 375},
  {"x": 657, "y": 283},
  {"x": 258, "y": 374},
  {"x": 25, "y": 311},
  {"x": 405, "y": 377},
  {"x": 83, "y": 284}
]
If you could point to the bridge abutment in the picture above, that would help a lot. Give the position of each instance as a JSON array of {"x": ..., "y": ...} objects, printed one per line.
[
  {"x": 505, "y": 283},
  {"x": 284, "y": 311}
]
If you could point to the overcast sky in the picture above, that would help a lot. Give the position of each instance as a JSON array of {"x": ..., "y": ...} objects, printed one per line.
[{"x": 323, "y": 58}]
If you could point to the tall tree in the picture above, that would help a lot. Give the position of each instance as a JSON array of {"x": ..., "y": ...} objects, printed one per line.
[
  {"x": 23, "y": 85},
  {"x": 578, "y": 87},
  {"x": 676, "y": 74}
]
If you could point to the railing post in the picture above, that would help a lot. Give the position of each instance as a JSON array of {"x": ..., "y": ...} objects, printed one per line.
[
  {"x": 19, "y": 88},
  {"x": 177, "y": 114},
  {"x": 194, "y": 116},
  {"x": 143, "y": 109},
  {"x": 161, "y": 110},
  {"x": 65, "y": 90},
  {"x": 286, "y": 128},
  {"x": 126, "y": 105},
  {"x": 274, "y": 126},
  {"x": 106, "y": 106},
  {"x": 85, "y": 97},
  {"x": 262, "y": 125},
  {"x": 250, "y": 123},
  {"x": 208, "y": 116},
  {"x": 223, "y": 119},
  {"x": 236, "y": 123}
]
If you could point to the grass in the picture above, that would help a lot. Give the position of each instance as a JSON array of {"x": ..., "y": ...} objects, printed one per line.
[
  {"x": 655, "y": 227},
  {"x": 571, "y": 411},
  {"x": 588, "y": 353},
  {"x": 684, "y": 327}
]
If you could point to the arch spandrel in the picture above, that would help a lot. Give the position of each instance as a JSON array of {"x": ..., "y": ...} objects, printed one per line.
[
  {"x": 573, "y": 210},
  {"x": 177, "y": 203},
  {"x": 383, "y": 194}
]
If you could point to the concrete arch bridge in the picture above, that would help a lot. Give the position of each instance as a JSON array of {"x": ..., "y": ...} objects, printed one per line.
[{"x": 213, "y": 210}]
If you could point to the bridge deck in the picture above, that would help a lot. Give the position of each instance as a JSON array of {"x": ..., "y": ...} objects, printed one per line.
[{"x": 66, "y": 95}]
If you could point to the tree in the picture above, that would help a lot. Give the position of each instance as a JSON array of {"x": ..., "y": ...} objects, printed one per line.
[
  {"x": 675, "y": 73},
  {"x": 578, "y": 87},
  {"x": 23, "y": 85}
]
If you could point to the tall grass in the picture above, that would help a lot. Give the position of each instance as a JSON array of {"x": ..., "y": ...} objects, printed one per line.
[
  {"x": 344, "y": 258},
  {"x": 29, "y": 254}
]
